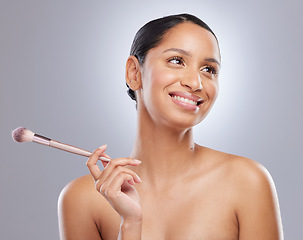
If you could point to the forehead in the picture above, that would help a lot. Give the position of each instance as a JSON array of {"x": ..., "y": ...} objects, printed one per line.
[{"x": 190, "y": 37}]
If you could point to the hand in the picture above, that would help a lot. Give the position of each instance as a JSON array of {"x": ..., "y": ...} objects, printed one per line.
[{"x": 116, "y": 182}]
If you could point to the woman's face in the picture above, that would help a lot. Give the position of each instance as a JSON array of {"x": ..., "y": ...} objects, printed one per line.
[{"x": 180, "y": 77}]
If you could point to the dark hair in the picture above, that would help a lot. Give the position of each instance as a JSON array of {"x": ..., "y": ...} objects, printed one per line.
[{"x": 151, "y": 34}]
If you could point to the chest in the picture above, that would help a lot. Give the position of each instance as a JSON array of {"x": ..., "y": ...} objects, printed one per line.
[
  {"x": 202, "y": 210},
  {"x": 182, "y": 217},
  {"x": 201, "y": 215}
]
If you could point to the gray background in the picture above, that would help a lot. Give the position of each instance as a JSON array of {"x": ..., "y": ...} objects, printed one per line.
[{"x": 62, "y": 76}]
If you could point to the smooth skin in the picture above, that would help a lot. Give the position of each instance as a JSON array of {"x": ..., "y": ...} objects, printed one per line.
[{"x": 178, "y": 190}]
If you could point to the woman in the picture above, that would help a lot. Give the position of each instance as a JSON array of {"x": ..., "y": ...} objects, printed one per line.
[{"x": 187, "y": 191}]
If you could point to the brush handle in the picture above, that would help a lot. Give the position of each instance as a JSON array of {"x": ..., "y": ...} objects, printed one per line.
[{"x": 72, "y": 149}]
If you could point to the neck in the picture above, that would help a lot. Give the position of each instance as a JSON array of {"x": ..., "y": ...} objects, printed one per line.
[{"x": 164, "y": 151}]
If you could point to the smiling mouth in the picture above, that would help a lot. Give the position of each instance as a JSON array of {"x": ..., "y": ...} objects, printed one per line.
[{"x": 186, "y": 100}]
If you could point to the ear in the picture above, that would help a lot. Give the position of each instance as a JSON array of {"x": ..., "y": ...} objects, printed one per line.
[{"x": 133, "y": 73}]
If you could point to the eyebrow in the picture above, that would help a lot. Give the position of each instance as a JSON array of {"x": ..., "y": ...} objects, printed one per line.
[
  {"x": 190, "y": 55},
  {"x": 179, "y": 50},
  {"x": 213, "y": 60}
]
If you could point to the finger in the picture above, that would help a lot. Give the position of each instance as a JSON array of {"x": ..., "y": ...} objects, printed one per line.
[
  {"x": 118, "y": 170},
  {"x": 108, "y": 175},
  {"x": 104, "y": 163},
  {"x": 92, "y": 162},
  {"x": 114, "y": 188},
  {"x": 105, "y": 155},
  {"x": 115, "y": 163},
  {"x": 119, "y": 186}
]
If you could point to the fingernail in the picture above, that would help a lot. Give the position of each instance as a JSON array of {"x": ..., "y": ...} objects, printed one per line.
[
  {"x": 137, "y": 161},
  {"x": 103, "y": 146}
]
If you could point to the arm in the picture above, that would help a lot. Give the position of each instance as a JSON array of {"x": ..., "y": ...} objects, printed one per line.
[
  {"x": 130, "y": 229},
  {"x": 115, "y": 183},
  {"x": 258, "y": 209}
]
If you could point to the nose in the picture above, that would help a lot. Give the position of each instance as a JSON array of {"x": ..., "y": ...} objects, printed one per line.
[{"x": 192, "y": 80}]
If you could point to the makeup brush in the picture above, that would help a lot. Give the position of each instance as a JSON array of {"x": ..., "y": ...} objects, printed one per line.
[{"x": 22, "y": 134}]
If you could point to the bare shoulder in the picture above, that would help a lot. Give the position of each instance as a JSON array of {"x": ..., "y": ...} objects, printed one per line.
[
  {"x": 78, "y": 191},
  {"x": 254, "y": 195},
  {"x": 258, "y": 208},
  {"x": 251, "y": 177},
  {"x": 85, "y": 183},
  {"x": 249, "y": 171},
  {"x": 78, "y": 205},
  {"x": 241, "y": 169}
]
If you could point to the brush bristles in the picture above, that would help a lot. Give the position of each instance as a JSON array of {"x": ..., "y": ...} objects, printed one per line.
[{"x": 22, "y": 134}]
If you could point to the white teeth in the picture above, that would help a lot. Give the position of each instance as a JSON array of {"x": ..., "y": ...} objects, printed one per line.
[{"x": 186, "y": 100}]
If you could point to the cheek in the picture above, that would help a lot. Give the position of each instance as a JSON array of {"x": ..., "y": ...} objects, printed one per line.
[
  {"x": 157, "y": 80},
  {"x": 156, "y": 83},
  {"x": 212, "y": 90}
]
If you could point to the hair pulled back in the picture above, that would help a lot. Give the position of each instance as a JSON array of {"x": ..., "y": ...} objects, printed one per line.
[{"x": 151, "y": 34}]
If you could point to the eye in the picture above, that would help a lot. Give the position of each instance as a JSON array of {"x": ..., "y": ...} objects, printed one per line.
[
  {"x": 210, "y": 69},
  {"x": 176, "y": 60}
]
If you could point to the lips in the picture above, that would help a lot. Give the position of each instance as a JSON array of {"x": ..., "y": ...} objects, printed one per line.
[{"x": 187, "y": 98}]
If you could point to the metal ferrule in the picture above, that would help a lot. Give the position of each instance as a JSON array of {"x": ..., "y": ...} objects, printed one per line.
[{"x": 42, "y": 140}]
